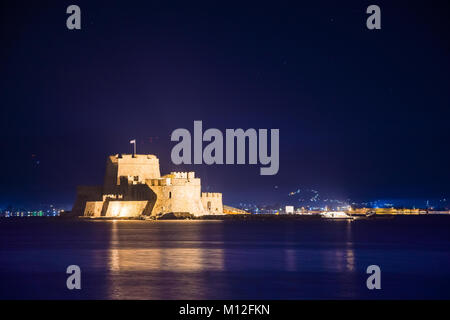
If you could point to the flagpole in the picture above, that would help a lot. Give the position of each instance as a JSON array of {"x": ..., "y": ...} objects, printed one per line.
[{"x": 134, "y": 147}]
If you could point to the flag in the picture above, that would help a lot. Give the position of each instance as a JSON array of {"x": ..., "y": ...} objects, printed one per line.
[{"x": 133, "y": 141}]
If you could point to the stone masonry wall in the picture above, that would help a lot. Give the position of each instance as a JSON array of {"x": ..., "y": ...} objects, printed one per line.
[{"x": 212, "y": 202}]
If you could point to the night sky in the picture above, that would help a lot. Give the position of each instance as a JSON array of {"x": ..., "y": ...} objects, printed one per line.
[{"x": 362, "y": 114}]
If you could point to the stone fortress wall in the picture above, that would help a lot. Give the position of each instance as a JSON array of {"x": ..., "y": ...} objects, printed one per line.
[
  {"x": 212, "y": 202},
  {"x": 177, "y": 192},
  {"x": 133, "y": 186}
]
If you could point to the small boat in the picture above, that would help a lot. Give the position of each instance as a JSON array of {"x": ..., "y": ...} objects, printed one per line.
[
  {"x": 336, "y": 215},
  {"x": 371, "y": 214}
]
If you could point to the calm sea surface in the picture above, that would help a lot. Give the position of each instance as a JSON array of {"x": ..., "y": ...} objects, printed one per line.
[{"x": 225, "y": 259}]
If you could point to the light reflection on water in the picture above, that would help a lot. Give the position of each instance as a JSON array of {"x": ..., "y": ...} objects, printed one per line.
[
  {"x": 167, "y": 259},
  {"x": 225, "y": 259},
  {"x": 151, "y": 265},
  {"x": 162, "y": 259}
]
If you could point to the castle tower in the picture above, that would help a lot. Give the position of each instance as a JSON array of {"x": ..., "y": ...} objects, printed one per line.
[
  {"x": 177, "y": 192},
  {"x": 128, "y": 169}
]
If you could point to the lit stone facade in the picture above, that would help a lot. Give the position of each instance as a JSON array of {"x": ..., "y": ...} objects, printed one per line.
[{"x": 133, "y": 186}]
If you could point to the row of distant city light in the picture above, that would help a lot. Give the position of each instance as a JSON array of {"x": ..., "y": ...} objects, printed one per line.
[
  {"x": 292, "y": 209},
  {"x": 40, "y": 213}
]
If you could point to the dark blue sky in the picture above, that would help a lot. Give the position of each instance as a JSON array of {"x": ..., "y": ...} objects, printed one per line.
[{"x": 362, "y": 114}]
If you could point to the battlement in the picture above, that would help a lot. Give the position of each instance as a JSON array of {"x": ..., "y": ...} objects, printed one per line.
[
  {"x": 183, "y": 175},
  {"x": 211, "y": 195},
  {"x": 112, "y": 197},
  {"x": 169, "y": 180},
  {"x": 159, "y": 182},
  {"x": 133, "y": 158}
]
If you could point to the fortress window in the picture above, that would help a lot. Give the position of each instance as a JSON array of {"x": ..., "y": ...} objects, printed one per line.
[
  {"x": 136, "y": 178},
  {"x": 170, "y": 195},
  {"x": 209, "y": 205}
]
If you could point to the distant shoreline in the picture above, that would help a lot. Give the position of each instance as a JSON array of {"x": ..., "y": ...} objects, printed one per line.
[{"x": 235, "y": 217}]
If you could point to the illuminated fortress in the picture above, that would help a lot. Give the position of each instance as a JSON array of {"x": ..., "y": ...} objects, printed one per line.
[{"x": 133, "y": 186}]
